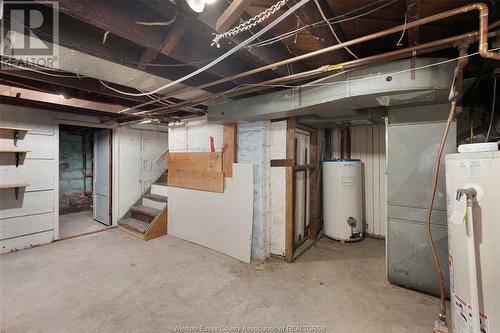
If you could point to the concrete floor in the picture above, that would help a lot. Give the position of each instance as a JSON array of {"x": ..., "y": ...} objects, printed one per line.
[
  {"x": 113, "y": 282},
  {"x": 78, "y": 223}
]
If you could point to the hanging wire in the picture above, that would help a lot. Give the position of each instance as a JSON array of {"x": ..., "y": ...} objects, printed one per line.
[
  {"x": 333, "y": 20},
  {"x": 403, "y": 32},
  {"x": 492, "y": 109}
]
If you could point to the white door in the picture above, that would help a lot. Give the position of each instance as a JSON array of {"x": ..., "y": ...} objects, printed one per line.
[{"x": 102, "y": 176}]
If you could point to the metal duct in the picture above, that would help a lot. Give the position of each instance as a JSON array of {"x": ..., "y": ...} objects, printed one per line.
[
  {"x": 80, "y": 63},
  {"x": 377, "y": 86}
]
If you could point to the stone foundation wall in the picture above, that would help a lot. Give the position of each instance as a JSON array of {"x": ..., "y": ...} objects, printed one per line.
[{"x": 72, "y": 196}]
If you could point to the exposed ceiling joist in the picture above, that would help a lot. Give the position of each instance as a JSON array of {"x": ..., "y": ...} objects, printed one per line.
[
  {"x": 169, "y": 43},
  {"x": 116, "y": 19},
  {"x": 255, "y": 56},
  {"x": 413, "y": 14},
  {"x": 308, "y": 14},
  {"x": 231, "y": 14}
]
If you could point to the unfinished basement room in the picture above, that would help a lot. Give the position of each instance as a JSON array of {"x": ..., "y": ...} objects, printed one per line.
[{"x": 258, "y": 166}]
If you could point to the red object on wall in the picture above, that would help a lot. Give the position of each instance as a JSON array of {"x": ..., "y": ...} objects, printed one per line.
[{"x": 212, "y": 144}]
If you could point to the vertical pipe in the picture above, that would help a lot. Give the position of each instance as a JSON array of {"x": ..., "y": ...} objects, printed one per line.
[{"x": 471, "y": 256}]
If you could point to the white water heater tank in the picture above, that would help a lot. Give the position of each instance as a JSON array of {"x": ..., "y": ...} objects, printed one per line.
[
  {"x": 342, "y": 199},
  {"x": 481, "y": 171}
]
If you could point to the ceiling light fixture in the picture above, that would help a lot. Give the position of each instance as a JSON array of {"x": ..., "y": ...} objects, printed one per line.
[
  {"x": 199, "y": 5},
  {"x": 196, "y": 5}
]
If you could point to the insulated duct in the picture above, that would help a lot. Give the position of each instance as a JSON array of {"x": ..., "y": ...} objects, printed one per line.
[{"x": 387, "y": 85}]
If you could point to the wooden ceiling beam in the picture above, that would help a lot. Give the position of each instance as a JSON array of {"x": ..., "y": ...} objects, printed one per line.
[
  {"x": 257, "y": 57},
  {"x": 231, "y": 14},
  {"x": 308, "y": 14},
  {"x": 169, "y": 43},
  {"x": 87, "y": 85},
  {"x": 413, "y": 13},
  {"x": 116, "y": 19},
  {"x": 38, "y": 96}
]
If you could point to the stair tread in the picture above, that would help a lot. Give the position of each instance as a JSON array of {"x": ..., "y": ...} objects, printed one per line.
[
  {"x": 134, "y": 224},
  {"x": 156, "y": 197},
  {"x": 153, "y": 212}
]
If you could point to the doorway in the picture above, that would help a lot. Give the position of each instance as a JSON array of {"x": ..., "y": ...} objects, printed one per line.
[{"x": 85, "y": 174}]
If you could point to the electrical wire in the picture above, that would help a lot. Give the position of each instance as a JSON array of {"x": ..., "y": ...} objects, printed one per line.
[
  {"x": 98, "y": 52},
  {"x": 321, "y": 23},
  {"x": 333, "y": 30},
  {"x": 311, "y": 84},
  {"x": 403, "y": 32},
  {"x": 220, "y": 58},
  {"x": 333, "y": 20},
  {"x": 315, "y": 84},
  {"x": 492, "y": 108},
  {"x": 39, "y": 71}
]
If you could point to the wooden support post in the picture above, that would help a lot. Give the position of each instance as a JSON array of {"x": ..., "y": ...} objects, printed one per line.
[
  {"x": 328, "y": 143},
  {"x": 230, "y": 145},
  {"x": 313, "y": 205},
  {"x": 289, "y": 190}
]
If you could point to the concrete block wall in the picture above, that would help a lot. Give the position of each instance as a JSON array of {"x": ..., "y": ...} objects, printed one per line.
[
  {"x": 71, "y": 177},
  {"x": 254, "y": 143}
]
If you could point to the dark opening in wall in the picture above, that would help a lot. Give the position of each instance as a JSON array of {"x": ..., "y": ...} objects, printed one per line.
[{"x": 76, "y": 146}]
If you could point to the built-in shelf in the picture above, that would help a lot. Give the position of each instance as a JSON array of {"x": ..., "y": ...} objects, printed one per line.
[
  {"x": 15, "y": 186},
  {"x": 16, "y": 132},
  {"x": 16, "y": 151}
]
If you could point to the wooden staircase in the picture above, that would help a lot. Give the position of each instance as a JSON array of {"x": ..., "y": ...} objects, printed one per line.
[{"x": 148, "y": 218}]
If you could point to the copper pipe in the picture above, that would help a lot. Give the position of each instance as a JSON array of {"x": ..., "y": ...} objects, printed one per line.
[
  {"x": 462, "y": 62},
  {"x": 483, "y": 45},
  {"x": 392, "y": 55}
]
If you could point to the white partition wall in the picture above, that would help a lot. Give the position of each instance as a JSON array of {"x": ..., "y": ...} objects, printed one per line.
[{"x": 33, "y": 219}]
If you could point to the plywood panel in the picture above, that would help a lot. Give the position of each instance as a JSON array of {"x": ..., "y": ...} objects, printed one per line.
[
  {"x": 219, "y": 221},
  {"x": 212, "y": 181},
  {"x": 29, "y": 203},
  {"x": 197, "y": 161},
  {"x": 18, "y": 226}
]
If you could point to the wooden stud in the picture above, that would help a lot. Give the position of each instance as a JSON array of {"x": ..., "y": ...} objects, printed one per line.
[
  {"x": 289, "y": 213},
  {"x": 290, "y": 190},
  {"x": 313, "y": 201},
  {"x": 230, "y": 148},
  {"x": 328, "y": 143},
  {"x": 281, "y": 163}
]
